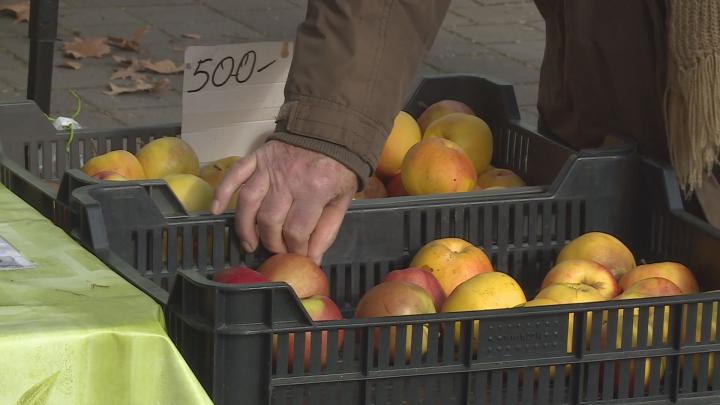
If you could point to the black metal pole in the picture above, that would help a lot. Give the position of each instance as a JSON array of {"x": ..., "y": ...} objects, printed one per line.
[{"x": 42, "y": 32}]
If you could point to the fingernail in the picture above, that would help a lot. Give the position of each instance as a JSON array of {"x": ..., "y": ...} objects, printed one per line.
[
  {"x": 215, "y": 207},
  {"x": 246, "y": 247}
]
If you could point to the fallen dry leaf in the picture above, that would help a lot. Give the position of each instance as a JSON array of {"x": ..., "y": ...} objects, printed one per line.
[
  {"x": 131, "y": 72},
  {"x": 137, "y": 87},
  {"x": 20, "y": 10},
  {"x": 87, "y": 48},
  {"x": 72, "y": 65},
  {"x": 165, "y": 66},
  {"x": 192, "y": 35},
  {"x": 132, "y": 44},
  {"x": 121, "y": 59},
  {"x": 127, "y": 74}
]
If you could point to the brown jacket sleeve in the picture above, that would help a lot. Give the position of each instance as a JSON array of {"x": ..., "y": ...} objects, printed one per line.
[{"x": 352, "y": 65}]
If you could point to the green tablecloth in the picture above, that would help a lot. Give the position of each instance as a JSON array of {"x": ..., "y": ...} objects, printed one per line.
[{"x": 74, "y": 332}]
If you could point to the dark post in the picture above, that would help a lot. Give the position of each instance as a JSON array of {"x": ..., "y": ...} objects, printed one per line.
[{"x": 42, "y": 32}]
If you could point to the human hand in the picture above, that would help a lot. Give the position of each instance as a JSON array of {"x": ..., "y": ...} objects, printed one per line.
[{"x": 290, "y": 199}]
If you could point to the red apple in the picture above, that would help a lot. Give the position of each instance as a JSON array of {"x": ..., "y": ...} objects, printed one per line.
[
  {"x": 396, "y": 298},
  {"x": 441, "y": 109},
  {"x": 583, "y": 272},
  {"x": 302, "y": 274},
  {"x": 421, "y": 278},
  {"x": 395, "y": 186},
  {"x": 240, "y": 275},
  {"x": 320, "y": 308}
]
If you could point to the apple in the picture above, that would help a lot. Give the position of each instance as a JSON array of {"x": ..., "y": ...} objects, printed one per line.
[
  {"x": 303, "y": 275},
  {"x": 602, "y": 248},
  {"x": 651, "y": 287},
  {"x": 570, "y": 293},
  {"x": 395, "y": 186},
  {"x": 396, "y": 298},
  {"x": 580, "y": 271},
  {"x": 437, "y": 166},
  {"x": 168, "y": 155},
  {"x": 421, "y": 278},
  {"x": 539, "y": 302},
  {"x": 451, "y": 261},
  {"x": 635, "y": 343},
  {"x": 214, "y": 172},
  {"x": 193, "y": 192},
  {"x": 697, "y": 338},
  {"x": 120, "y": 162},
  {"x": 108, "y": 175},
  {"x": 469, "y": 132},
  {"x": 680, "y": 275},
  {"x": 440, "y": 109},
  {"x": 374, "y": 189},
  {"x": 404, "y": 134},
  {"x": 320, "y": 308},
  {"x": 499, "y": 178},
  {"x": 493, "y": 290},
  {"x": 240, "y": 275}
]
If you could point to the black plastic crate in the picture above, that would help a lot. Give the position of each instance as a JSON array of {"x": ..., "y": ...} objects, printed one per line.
[
  {"x": 544, "y": 163},
  {"x": 225, "y": 332}
]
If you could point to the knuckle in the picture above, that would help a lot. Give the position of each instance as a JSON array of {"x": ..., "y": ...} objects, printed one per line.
[
  {"x": 294, "y": 234},
  {"x": 266, "y": 220},
  {"x": 249, "y": 194}
]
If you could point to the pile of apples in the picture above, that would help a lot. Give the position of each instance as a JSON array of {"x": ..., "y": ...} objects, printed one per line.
[
  {"x": 170, "y": 159},
  {"x": 598, "y": 267},
  {"x": 309, "y": 283},
  {"x": 448, "y": 149},
  {"x": 452, "y": 275}
]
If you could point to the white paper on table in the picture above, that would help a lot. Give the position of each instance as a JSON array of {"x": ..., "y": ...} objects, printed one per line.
[{"x": 11, "y": 259}]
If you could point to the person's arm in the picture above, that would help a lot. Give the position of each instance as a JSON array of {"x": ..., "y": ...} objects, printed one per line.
[{"x": 353, "y": 63}]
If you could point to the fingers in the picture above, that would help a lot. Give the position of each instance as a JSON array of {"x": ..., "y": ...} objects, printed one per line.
[
  {"x": 239, "y": 174},
  {"x": 300, "y": 223},
  {"x": 327, "y": 228},
  {"x": 271, "y": 217},
  {"x": 249, "y": 199}
]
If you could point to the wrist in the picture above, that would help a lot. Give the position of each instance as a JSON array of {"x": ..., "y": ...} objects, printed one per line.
[{"x": 343, "y": 155}]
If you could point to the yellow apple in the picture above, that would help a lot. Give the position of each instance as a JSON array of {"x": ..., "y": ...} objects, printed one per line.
[
  {"x": 193, "y": 192},
  {"x": 493, "y": 290},
  {"x": 437, "y": 166},
  {"x": 470, "y": 132},
  {"x": 451, "y": 261},
  {"x": 168, "y": 155},
  {"x": 680, "y": 275},
  {"x": 404, "y": 134},
  {"x": 602, "y": 248},
  {"x": 114, "y": 165}
]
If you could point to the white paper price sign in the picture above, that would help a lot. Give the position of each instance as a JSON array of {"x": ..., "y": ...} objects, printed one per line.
[{"x": 231, "y": 96}]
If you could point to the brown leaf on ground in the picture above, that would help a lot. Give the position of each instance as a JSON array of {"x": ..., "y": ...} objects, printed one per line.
[
  {"x": 87, "y": 47},
  {"x": 21, "y": 10},
  {"x": 127, "y": 74},
  {"x": 164, "y": 67},
  {"x": 130, "y": 69},
  {"x": 131, "y": 44},
  {"x": 71, "y": 65},
  {"x": 121, "y": 59},
  {"x": 192, "y": 35},
  {"x": 137, "y": 87}
]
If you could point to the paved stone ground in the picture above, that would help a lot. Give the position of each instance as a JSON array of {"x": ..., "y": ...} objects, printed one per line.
[{"x": 501, "y": 39}]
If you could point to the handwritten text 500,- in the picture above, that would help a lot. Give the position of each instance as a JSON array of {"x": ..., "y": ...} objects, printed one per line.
[{"x": 227, "y": 68}]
